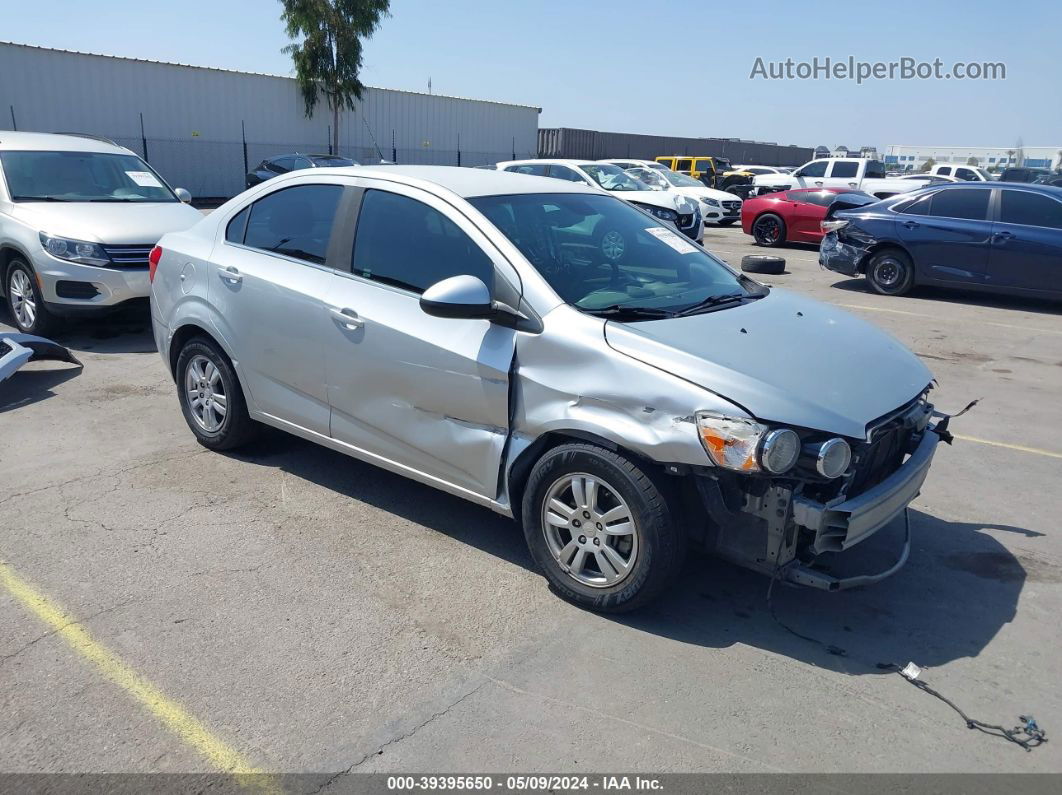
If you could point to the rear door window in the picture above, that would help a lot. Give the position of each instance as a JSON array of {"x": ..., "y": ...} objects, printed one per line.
[
  {"x": 1030, "y": 209},
  {"x": 405, "y": 243},
  {"x": 843, "y": 169},
  {"x": 684, "y": 165},
  {"x": 295, "y": 222},
  {"x": 944, "y": 171},
  {"x": 970, "y": 204}
]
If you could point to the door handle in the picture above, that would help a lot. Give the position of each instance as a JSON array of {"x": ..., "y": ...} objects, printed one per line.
[
  {"x": 853, "y": 184},
  {"x": 346, "y": 317},
  {"x": 1003, "y": 237},
  {"x": 819, "y": 183},
  {"x": 911, "y": 224},
  {"x": 231, "y": 275}
]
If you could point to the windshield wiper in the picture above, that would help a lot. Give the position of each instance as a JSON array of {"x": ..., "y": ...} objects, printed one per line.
[
  {"x": 718, "y": 300},
  {"x": 38, "y": 199},
  {"x": 618, "y": 311}
]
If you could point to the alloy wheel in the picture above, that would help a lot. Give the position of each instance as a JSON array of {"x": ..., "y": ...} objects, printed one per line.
[
  {"x": 590, "y": 530},
  {"x": 23, "y": 299},
  {"x": 767, "y": 231},
  {"x": 207, "y": 399}
]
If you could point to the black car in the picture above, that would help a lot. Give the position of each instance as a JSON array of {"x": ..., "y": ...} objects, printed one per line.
[
  {"x": 282, "y": 164},
  {"x": 1025, "y": 174},
  {"x": 975, "y": 235}
]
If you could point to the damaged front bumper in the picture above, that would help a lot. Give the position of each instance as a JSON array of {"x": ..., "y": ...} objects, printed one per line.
[
  {"x": 846, "y": 523},
  {"x": 775, "y": 528},
  {"x": 17, "y": 349}
]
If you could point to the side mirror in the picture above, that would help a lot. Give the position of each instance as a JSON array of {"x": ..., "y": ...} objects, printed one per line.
[
  {"x": 183, "y": 195},
  {"x": 469, "y": 298},
  {"x": 459, "y": 297}
]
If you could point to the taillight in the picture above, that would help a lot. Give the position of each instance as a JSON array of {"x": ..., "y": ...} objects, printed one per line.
[
  {"x": 153, "y": 262},
  {"x": 832, "y": 226}
]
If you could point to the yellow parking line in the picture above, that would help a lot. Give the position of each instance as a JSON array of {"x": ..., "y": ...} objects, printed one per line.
[
  {"x": 169, "y": 712},
  {"x": 1020, "y": 447}
]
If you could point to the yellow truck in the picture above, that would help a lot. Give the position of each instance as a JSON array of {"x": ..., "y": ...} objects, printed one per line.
[{"x": 715, "y": 172}]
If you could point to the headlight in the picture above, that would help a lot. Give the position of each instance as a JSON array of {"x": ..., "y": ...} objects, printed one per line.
[
  {"x": 710, "y": 202},
  {"x": 75, "y": 250},
  {"x": 745, "y": 445},
  {"x": 660, "y": 212},
  {"x": 832, "y": 458}
]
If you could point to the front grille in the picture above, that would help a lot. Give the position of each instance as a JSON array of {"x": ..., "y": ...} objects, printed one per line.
[
  {"x": 731, "y": 204},
  {"x": 890, "y": 442},
  {"x": 68, "y": 289},
  {"x": 134, "y": 256}
]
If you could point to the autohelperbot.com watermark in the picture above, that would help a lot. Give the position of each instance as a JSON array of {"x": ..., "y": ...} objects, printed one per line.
[{"x": 851, "y": 68}]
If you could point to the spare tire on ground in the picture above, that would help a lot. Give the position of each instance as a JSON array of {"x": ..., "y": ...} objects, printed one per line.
[{"x": 763, "y": 263}]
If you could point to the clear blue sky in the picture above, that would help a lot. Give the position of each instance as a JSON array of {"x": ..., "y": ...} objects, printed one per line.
[{"x": 677, "y": 68}]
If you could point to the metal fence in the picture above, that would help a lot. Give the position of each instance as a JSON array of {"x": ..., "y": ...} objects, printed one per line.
[{"x": 217, "y": 169}]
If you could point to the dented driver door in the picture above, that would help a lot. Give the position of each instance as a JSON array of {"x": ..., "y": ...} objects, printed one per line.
[{"x": 423, "y": 395}]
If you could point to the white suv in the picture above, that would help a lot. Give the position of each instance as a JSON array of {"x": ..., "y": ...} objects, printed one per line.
[{"x": 78, "y": 218}]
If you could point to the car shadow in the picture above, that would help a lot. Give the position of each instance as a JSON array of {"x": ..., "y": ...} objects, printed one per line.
[
  {"x": 952, "y": 295},
  {"x": 29, "y": 386},
  {"x": 959, "y": 588},
  {"x": 126, "y": 330}
]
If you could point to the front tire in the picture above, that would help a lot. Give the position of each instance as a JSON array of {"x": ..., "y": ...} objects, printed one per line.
[
  {"x": 600, "y": 528},
  {"x": 24, "y": 300},
  {"x": 890, "y": 272},
  {"x": 211, "y": 398},
  {"x": 769, "y": 230}
]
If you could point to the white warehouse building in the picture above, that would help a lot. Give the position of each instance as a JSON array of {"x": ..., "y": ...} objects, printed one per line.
[
  {"x": 911, "y": 158},
  {"x": 203, "y": 128}
]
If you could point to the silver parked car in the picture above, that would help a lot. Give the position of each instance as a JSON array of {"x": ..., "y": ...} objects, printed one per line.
[
  {"x": 550, "y": 352},
  {"x": 78, "y": 218}
]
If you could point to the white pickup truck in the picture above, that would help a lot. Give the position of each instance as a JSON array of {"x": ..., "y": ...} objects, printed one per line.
[{"x": 853, "y": 173}]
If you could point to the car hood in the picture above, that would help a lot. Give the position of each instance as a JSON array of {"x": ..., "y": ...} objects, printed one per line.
[
  {"x": 113, "y": 223},
  {"x": 783, "y": 358}
]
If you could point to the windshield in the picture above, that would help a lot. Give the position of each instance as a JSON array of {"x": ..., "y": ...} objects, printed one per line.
[
  {"x": 682, "y": 180},
  {"x": 602, "y": 255},
  {"x": 82, "y": 177},
  {"x": 653, "y": 179},
  {"x": 611, "y": 177}
]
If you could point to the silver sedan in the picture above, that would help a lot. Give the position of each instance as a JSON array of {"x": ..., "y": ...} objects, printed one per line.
[{"x": 551, "y": 353}]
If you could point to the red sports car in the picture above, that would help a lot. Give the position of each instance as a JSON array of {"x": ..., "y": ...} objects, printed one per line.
[{"x": 790, "y": 215}]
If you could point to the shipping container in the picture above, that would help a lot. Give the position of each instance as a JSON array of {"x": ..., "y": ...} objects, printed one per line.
[{"x": 594, "y": 145}]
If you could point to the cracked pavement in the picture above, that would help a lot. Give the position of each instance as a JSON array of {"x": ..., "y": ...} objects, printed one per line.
[{"x": 325, "y": 616}]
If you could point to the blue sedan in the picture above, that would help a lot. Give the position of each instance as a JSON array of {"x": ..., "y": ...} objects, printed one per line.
[{"x": 998, "y": 237}]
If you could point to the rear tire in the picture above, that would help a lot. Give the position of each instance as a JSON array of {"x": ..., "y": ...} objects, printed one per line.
[
  {"x": 24, "y": 300},
  {"x": 596, "y": 499},
  {"x": 890, "y": 272},
  {"x": 211, "y": 397},
  {"x": 769, "y": 230}
]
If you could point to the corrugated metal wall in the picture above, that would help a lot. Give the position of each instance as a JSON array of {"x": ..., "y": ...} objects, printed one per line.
[
  {"x": 193, "y": 115},
  {"x": 595, "y": 145}
]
